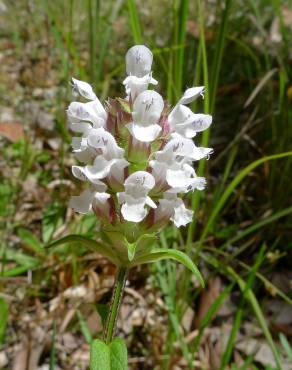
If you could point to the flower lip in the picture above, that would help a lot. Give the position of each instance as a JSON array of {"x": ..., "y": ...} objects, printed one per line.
[{"x": 135, "y": 197}]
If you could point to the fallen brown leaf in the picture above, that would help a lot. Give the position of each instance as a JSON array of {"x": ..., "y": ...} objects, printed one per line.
[{"x": 12, "y": 131}]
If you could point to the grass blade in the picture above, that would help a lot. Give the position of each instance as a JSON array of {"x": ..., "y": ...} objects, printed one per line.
[
  {"x": 4, "y": 310},
  {"x": 53, "y": 349},
  {"x": 257, "y": 226},
  {"x": 84, "y": 327},
  {"x": 134, "y": 21},
  {"x": 230, "y": 188},
  {"x": 239, "y": 313}
]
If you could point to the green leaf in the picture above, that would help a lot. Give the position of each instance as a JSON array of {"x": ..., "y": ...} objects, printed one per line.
[
  {"x": 53, "y": 218},
  {"x": 102, "y": 310},
  {"x": 4, "y": 316},
  {"x": 286, "y": 345},
  {"x": 119, "y": 358},
  {"x": 99, "y": 356},
  {"x": 84, "y": 327},
  {"x": 131, "y": 249},
  {"x": 31, "y": 240},
  {"x": 90, "y": 243},
  {"x": 108, "y": 357},
  {"x": 160, "y": 254}
]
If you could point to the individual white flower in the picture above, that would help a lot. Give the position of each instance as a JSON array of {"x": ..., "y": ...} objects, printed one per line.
[
  {"x": 147, "y": 109},
  {"x": 172, "y": 168},
  {"x": 180, "y": 146},
  {"x": 108, "y": 154},
  {"x": 138, "y": 65},
  {"x": 184, "y": 179},
  {"x": 83, "y": 202},
  {"x": 135, "y": 197},
  {"x": 92, "y": 111},
  {"x": 173, "y": 208},
  {"x": 139, "y": 61},
  {"x": 186, "y": 123},
  {"x": 183, "y": 121},
  {"x": 83, "y": 88},
  {"x": 82, "y": 117}
]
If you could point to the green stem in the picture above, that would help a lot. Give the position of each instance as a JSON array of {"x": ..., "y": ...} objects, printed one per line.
[{"x": 115, "y": 304}]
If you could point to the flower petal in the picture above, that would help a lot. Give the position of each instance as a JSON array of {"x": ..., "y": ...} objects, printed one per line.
[
  {"x": 136, "y": 85},
  {"x": 83, "y": 202},
  {"x": 145, "y": 134},
  {"x": 147, "y": 108},
  {"x": 140, "y": 179},
  {"x": 82, "y": 127},
  {"x": 134, "y": 212},
  {"x": 92, "y": 111},
  {"x": 186, "y": 123},
  {"x": 101, "y": 206},
  {"x": 83, "y": 89},
  {"x": 150, "y": 202},
  {"x": 101, "y": 139},
  {"x": 100, "y": 169},
  {"x": 191, "y": 94},
  {"x": 182, "y": 216},
  {"x": 139, "y": 60}
]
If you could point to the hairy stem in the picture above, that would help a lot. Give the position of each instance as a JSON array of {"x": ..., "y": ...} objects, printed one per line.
[{"x": 115, "y": 304}]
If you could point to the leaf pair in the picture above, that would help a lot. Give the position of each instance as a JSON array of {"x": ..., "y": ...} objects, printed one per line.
[
  {"x": 134, "y": 260},
  {"x": 111, "y": 356}
]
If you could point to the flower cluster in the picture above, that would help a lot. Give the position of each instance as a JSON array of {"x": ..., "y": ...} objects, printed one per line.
[{"x": 136, "y": 153}]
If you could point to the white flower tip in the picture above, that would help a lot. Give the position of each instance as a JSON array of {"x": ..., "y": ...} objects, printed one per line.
[
  {"x": 141, "y": 179},
  {"x": 138, "y": 60},
  {"x": 83, "y": 88},
  {"x": 191, "y": 94}
]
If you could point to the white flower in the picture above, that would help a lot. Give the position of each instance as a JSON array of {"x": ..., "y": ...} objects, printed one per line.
[
  {"x": 92, "y": 111},
  {"x": 183, "y": 121},
  {"x": 83, "y": 202},
  {"x": 173, "y": 208},
  {"x": 83, "y": 89},
  {"x": 182, "y": 147},
  {"x": 184, "y": 179},
  {"x": 138, "y": 65},
  {"x": 139, "y": 61},
  {"x": 135, "y": 197},
  {"x": 172, "y": 168},
  {"x": 108, "y": 154},
  {"x": 147, "y": 109},
  {"x": 186, "y": 123}
]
